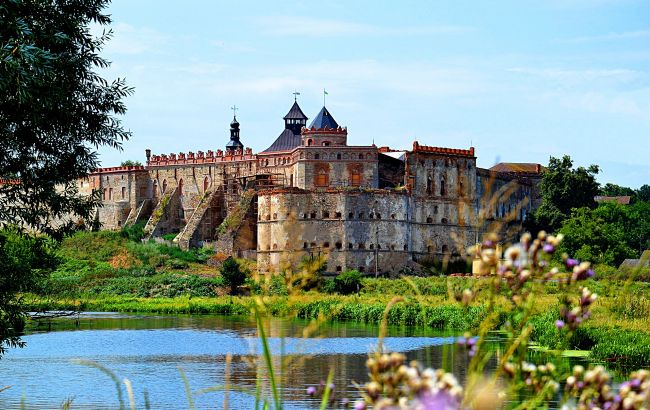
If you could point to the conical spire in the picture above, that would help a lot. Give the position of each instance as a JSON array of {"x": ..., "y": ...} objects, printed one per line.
[{"x": 324, "y": 120}]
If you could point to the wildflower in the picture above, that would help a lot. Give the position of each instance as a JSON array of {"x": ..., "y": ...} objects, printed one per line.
[
  {"x": 311, "y": 390},
  {"x": 559, "y": 324},
  {"x": 359, "y": 405}
]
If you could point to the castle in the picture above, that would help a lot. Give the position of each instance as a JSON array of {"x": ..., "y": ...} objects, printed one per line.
[{"x": 309, "y": 193}]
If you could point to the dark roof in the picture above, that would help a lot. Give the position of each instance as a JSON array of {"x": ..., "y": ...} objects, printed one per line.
[
  {"x": 522, "y": 167},
  {"x": 295, "y": 113},
  {"x": 324, "y": 120},
  {"x": 234, "y": 144},
  {"x": 623, "y": 200},
  {"x": 287, "y": 141}
]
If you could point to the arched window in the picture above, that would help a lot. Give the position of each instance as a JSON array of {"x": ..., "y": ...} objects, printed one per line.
[
  {"x": 309, "y": 142},
  {"x": 164, "y": 186},
  {"x": 180, "y": 187},
  {"x": 322, "y": 178},
  {"x": 155, "y": 189},
  {"x": 355, "y": 176},
  {"x": 206, "y": 184},
  {"x": 442, "y": 187},
  {"x": 316, "y": 156},
  {"x": 429, "y": 185},
  {"x": 360, "y": 156}
]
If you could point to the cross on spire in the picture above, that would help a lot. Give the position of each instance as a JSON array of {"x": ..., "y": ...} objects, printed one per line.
[
  {"x": 234, "y": 111},
  {"x": 295, "y": 96}
]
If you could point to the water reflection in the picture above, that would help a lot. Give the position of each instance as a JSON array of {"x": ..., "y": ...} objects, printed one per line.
[{"x": 148, "y": 350}]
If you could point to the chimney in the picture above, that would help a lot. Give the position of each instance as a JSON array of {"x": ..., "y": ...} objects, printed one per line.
[{"x": 147, "y": 152}]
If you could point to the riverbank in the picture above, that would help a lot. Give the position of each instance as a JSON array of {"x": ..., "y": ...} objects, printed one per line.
[
  {"x": 618, "y": 331},
  {"x": 114, "y": 271}
]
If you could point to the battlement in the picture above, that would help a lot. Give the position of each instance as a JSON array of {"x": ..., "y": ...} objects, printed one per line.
[
  {"x": 313, "y": 130},
  {"x": 201, "y": 157},
  {"x": 441, "y": 150},
  {"x": 115, "y": 170},
  {"x": 9, "y": 181}
]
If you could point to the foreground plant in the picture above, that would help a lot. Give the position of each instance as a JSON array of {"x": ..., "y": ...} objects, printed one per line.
[{"x": 517, "y": 276}]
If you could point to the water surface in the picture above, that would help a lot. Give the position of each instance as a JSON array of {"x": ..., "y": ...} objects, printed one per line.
[{"x": 149, "y": 350}]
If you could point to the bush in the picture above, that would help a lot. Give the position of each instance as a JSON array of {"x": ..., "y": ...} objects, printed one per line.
[
  {"x": 232, "y": 275},
  {"x": 169, "y": 236},
  {"x": 346, "y": 283},
  {"x": 134, "y": 232}
]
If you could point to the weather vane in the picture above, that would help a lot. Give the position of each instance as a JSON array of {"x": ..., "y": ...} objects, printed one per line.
[
  {"x": 295, "y": 96},
  {"x": 324, "y": 94}
]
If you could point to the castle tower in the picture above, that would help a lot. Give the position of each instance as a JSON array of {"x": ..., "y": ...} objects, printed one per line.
[
  {"x": 295, "y": 119},
  {"x": 234, "y": 143},
  {"x": 324, "y": 131},
  {"x": 294, "y": 122}
]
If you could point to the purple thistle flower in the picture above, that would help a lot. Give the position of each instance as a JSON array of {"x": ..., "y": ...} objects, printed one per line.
[
  {"x": 331, "y": 386},
  {"x": 571, "y": 263},
  {"x": 590, "y": 273},
  {"x": 548, "y": 248},
  {"x": 635, "y": 383},
  {"x": 559, "y": 324},
  {"x": 359, "y": 405},
  {"x": 438, "y": 401},
  {"x": 311, "y": 390}
]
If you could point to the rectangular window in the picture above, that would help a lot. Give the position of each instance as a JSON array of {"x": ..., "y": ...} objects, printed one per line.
[{"x": 123, "y": 192}]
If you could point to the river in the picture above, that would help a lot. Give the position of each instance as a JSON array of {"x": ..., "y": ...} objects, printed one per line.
[{"x": 149, "y": 350}]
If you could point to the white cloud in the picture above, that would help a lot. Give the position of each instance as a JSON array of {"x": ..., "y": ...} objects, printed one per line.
[
  {"x": 577, "y": 76},
  {"x": 607, "y": 37},
  {"x": 311, "y": 27},
  {"x": 346, "y": 76}
]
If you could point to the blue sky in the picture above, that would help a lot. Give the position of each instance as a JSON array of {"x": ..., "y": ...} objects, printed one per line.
[{"x": 519, "y": 80}]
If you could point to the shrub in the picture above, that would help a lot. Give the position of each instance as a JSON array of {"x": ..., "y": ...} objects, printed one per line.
[
  {"x": 169, "y": 236},
  {"x": 346, "y": 283},
  {"x": 134, "y": 232},
  {"x": 232, "y": 275}
]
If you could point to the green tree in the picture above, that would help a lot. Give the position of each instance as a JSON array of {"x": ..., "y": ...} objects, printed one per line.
[
  {"x": 610, "y": 189},
  {"x": 643, "y": 193},
  {"x": 232, "y": 274},
  {"x": 588, "y": 235},
  {"x": 130, "y": 163},
  {"x": 563, "y": 188},
  {"x": 24, "y": 260},
  {"x": 55, "y": 109}
]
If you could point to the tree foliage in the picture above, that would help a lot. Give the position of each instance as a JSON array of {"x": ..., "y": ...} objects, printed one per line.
[
  {"x": 563, "y": 188},
  {"x": 607, "y": 234},
  {"x": 131, "y": 163},
  {"x": 24, "y": 260},
  {"x": 233, "y": 276},
  {"x": 55, "y": 110},
  {"x": 610, "y": 189}
]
